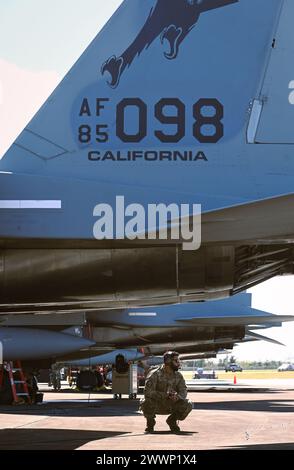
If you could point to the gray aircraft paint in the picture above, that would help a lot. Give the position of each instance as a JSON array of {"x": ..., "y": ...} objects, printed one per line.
[
  {"x": 49, "y": 260},
  {"x": 277, "y": 116},
  {"x": 201, "y": 328}
]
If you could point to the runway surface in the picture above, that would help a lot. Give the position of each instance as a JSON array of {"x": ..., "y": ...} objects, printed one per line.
[{"x": 246, "y": 416}]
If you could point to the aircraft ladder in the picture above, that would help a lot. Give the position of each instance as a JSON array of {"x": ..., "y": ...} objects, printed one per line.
[{"x": 18, "y": 382}]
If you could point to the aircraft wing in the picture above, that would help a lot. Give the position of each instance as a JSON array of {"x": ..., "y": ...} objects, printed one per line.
[
  {"x": 244, "y": 222},
  {"x": 252, "y": 221},
  {"x": 270, "y": 320}
]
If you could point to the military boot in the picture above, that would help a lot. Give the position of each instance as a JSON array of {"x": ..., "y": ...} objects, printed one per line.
[
  {"x": 173, "y": 425},
  {"x": 150, "y": 425}
]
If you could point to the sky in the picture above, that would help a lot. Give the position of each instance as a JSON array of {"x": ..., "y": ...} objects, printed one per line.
[{"x": 39, "y": 42}]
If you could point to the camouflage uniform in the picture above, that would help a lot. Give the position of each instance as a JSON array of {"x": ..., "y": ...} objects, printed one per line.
[{"x": 157, "y": 386}]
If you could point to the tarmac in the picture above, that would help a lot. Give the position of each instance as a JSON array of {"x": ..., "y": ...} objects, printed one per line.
[{"x": 249, "y": 416}]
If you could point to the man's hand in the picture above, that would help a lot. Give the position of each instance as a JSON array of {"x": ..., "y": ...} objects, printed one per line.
[{"x": 173, "y": 396}]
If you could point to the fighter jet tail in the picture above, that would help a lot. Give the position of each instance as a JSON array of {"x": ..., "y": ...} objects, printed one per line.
[
  {"x": 167, "y": 104},
  {"x": 177, "y": 76}
]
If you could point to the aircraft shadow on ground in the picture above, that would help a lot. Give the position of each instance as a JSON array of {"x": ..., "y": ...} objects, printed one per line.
[
  {"x": 126, "y": 407},
  {"x": 256, "y": 391},
  {"x": 279, "y": 406},
  {"x": 49, "y": 439},
  {"x": 77, "y": 408},
  {"x": 276, "y": 446}
]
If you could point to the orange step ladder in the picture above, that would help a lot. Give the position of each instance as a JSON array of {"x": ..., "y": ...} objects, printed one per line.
[{"x": 18, "y": 382}]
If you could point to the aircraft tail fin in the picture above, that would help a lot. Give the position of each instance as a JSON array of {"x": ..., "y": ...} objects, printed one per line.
[{"x": 155, "y": 85}]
